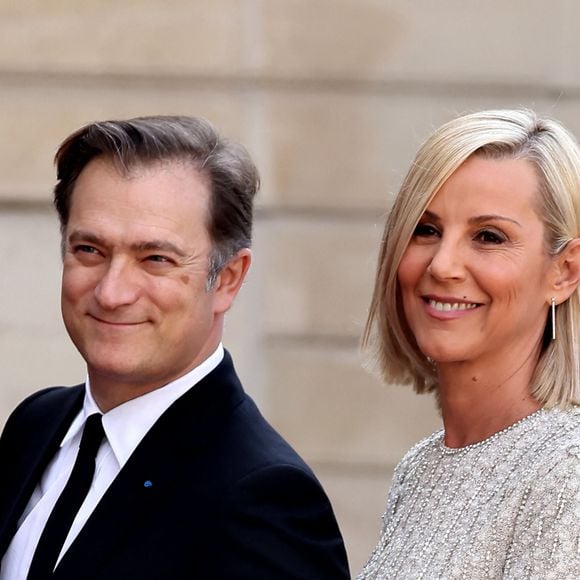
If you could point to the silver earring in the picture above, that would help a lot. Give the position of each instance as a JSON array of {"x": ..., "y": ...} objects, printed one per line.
[{"x": 553, "y": 309}]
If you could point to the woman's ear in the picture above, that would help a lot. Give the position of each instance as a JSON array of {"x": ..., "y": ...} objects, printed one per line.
[{"x": 566, "y": 271}]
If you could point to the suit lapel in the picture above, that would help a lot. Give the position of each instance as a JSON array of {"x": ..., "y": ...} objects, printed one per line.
[{"x": 155, "y": 469}]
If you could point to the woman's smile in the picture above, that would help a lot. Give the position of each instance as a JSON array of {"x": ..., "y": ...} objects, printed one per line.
[{"x": 448, "y": 308}]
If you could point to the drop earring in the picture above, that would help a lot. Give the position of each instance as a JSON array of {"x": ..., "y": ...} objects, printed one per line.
[{"x": 553, "y": 310}]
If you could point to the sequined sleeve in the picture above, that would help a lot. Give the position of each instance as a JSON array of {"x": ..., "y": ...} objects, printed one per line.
[{"x": 547, "y": 530}]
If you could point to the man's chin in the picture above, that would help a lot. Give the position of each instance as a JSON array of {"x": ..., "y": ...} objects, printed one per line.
[{"x": 122, "y": 372}]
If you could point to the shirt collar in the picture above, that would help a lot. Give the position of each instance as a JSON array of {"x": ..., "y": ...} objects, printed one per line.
[{"x": 126, "y": 425}]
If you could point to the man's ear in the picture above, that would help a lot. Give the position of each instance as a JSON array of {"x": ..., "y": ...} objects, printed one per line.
[
  {"x": 566, "y": 271},
  {"x": 230, "y": 280}
]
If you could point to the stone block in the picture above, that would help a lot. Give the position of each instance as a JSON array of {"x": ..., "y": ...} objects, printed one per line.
[
  {"x": 37, "y": 118},
  {"x": 485, "y": 42},
  {"x": 567, "y": 45},
  {"x": 30, "y": 285},
  {"x": 314, "y": 150},
  {"x": 34, "y": 347},
  {"x": 421, "y": 41},
  {"x": 567, "y": 111},
  {"x": 345, "y": 40},
  {"x": 338, "y": 151},
  {"x": 141, "y": 36},
  {"x": 334, "y": 412},
  {"x": 243, "y": 336},
  {"x": 350, "y": 151},
  {"x": 32, "y": 360},
  {"x": 358, "y": 497},
  {"x": 316, "y": 275},
  {"x": 327, "y": 38}
]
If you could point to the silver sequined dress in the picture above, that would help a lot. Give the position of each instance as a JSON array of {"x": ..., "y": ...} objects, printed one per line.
[{"x": 505, "y": 508}]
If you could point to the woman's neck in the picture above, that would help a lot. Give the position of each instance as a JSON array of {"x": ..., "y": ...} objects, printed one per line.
[{"x": 477, "y": 401}]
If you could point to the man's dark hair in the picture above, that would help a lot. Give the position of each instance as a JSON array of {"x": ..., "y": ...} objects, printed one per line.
[{"x": 232, "y": 176}]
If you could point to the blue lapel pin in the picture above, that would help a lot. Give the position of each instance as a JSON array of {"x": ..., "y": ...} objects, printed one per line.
[{"x": 148, "y": 483}]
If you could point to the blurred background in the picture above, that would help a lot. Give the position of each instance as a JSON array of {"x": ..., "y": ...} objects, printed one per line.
[{"x": 332, "y": 98}]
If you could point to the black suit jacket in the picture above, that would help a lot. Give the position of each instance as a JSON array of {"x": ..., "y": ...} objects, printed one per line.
[{"x": 229, "y": 498}]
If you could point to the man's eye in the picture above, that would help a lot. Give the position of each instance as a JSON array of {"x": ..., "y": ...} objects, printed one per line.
[
  {"x": 85, "y": 249},
  {"x": 157, "y": 258}
]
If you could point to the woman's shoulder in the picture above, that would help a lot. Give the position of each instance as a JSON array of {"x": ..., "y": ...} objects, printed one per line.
[
  {"x": 419, "y": 452},
  {"x": 545, "y": 531},
  {"x": 558, "y": 442},
  {"x": 559, "y": 430}
]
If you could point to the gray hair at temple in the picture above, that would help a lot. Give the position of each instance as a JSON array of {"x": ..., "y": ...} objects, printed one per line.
[
  {"x": 145, "y": 141},
  {"x": 518, "y": 134}
]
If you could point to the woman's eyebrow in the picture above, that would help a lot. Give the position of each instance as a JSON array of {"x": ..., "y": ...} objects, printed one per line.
[
  {"x": 489, "y": 217},
  {"x": 475, "y": 219}
]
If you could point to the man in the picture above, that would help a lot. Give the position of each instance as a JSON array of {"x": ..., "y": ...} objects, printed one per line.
[{"x": 189, "y": 480}]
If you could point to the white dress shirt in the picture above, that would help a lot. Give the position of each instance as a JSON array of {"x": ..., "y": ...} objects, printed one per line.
[{"x": 125, "y": 426}]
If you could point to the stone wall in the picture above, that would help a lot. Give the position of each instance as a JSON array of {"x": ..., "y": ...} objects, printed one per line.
[{"x": 332, "y": 97}]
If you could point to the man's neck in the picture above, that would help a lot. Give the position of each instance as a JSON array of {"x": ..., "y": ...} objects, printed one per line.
[{"x": 109, "y": 392}]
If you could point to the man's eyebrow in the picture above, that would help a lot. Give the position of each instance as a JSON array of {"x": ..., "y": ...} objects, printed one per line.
[
  {"x": 147, "y": 246},
  {"x": 158, "y": 246},
  {"x": 84, "y": 236}
]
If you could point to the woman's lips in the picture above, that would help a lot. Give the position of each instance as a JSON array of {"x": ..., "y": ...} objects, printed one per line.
[{"x": 449, "y": 308}]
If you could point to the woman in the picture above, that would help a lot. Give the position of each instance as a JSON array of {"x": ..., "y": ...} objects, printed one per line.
[{"x": 476, "y": 298}]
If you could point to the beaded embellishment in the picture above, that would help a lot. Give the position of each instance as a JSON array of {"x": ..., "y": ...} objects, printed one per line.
[{"x": 505, "y": 508}]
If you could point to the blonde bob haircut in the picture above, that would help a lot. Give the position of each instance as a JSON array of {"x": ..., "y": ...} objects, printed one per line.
[{"x": 517, "y": 134}]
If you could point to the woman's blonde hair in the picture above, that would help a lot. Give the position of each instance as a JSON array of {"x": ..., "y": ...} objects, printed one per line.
[{"x": 518, "y": 134}]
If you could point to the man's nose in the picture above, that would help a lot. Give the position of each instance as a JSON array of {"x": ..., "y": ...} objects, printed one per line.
[
  {"x": 119, "y": 286},
  {"x": 448, "y": 261}
]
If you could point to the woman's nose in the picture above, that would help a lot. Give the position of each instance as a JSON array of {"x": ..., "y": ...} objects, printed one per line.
[{"x": 448, "y": 261}]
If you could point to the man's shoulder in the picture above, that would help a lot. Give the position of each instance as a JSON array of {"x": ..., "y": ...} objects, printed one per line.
[
  {"x": 49, "y": 397},
  {"x": 271, "y": 502},
  {"x": 230, "y": 421},
  {"x": 41, "y": 407},
  {"x": 256, "y": 446}
]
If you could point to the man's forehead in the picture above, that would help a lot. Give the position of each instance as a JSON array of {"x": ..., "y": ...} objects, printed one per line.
[
  {"x": 136, "y": 167},
  {"x": 147, "y": 208},
  {"x": 169, "y": 175}
]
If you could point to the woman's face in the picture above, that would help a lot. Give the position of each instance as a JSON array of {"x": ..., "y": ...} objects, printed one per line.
[{"x": 474, "y": 278}]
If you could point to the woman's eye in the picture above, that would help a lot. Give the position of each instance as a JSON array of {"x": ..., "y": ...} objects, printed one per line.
[
  {"x": 426, "y": 230},
  {"x": 490, "y": 237}
]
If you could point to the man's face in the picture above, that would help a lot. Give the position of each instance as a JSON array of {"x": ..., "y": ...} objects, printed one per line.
[{"x": 134, "y": 297}]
